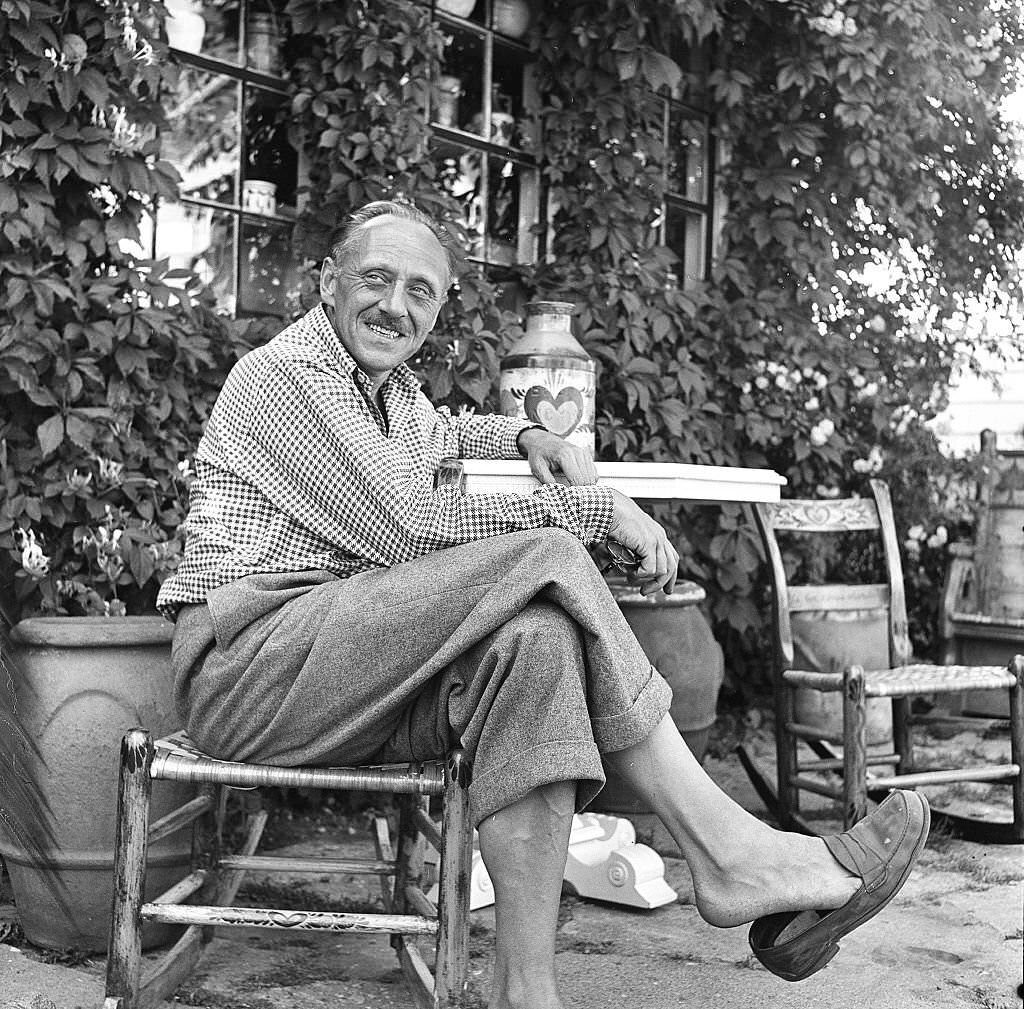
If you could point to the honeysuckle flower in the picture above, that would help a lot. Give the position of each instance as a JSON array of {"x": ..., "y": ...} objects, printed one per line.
[
  {"x": 76, "y": 480},
  {"x": 34, "y": 562},
  {"x": 110, "y": 469}
]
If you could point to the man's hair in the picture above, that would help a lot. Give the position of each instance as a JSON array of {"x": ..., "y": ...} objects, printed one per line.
[{"x": 344, "y": 236}]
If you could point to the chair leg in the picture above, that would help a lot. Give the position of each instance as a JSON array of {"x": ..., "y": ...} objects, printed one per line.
[
  {"x": 785, "y": 754},
  {"x": 855, "y": 757},
  {"x": 124, "y": 960},
  {"x": 452, "y": 967},
  {"x": 1017, "y": 744},
  {"x": 902, "y": 740}
]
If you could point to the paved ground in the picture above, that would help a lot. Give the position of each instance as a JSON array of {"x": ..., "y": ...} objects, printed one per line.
[{"x": 952, "y": 938}]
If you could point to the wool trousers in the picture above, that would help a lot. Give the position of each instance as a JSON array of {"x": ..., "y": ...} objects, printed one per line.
[{"x": 511, "y": 647}]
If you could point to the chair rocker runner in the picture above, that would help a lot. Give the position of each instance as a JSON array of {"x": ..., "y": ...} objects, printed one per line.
[
  {"x": 876, "y": 663},
  {"x": 410, "y": 918}
]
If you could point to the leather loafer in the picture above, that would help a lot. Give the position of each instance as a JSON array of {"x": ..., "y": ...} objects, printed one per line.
[{"x": 881, "y": 849}]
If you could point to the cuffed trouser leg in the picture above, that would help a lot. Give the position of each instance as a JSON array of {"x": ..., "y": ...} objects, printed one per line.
[{"x": 512, "y": 646}]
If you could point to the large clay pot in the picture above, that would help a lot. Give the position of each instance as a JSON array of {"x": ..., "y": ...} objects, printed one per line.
[
  {"x": 676, "y": 636},
  {"x": 77, "y": 684}
]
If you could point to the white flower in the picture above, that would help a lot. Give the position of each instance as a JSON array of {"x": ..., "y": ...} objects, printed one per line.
[
  {"x": 110, "y": 470},
  {"x": 916, "y": 532},
  {"x": 826, "y": 492},
  {"x": 822, "y": 431},
  {"x": 746, "y": 388},
  {"x": 77, "y": 481},
  {"x": 35, "y": 563},
  {"x": 762, "y": 382},
  {"x": 812, "y": 404},
  {"x": 939, "y": 538}
]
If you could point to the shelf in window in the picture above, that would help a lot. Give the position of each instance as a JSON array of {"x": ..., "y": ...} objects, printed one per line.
[{"x": 462, "y": 139}]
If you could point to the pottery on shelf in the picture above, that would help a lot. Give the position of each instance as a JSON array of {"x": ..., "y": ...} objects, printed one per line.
[{"x": 511, "y": 17}]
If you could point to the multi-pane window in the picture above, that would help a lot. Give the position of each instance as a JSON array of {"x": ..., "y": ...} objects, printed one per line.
[
  {"x": 687, "y": 224},
  {"x": 232, "y": 139},
  {"x": 484, "y": 126},
  {"x": 229, "y": 138}
]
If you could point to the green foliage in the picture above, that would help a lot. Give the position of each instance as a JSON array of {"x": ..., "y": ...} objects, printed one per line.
[
  {"x": 862, "y": 141},
  {"x": 361, "y": 95},
  {"x": 870, "y": 212},
  {"x": 107, "y": 367}
]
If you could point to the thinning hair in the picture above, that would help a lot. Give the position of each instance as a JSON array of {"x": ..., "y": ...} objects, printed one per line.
[{"x": 345, "y": 234}]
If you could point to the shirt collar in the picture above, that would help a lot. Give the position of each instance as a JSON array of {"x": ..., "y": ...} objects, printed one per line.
[{"x": 401, "y": 376}]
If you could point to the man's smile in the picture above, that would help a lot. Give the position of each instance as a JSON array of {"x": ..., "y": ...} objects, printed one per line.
[{"x": 387, "y": 332}]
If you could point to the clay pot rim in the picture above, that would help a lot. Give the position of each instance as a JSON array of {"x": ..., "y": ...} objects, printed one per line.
[{"x": 93, "y": 632}]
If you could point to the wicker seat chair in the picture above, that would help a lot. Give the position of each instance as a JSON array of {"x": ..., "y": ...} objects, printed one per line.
[{"x": 851, "y": 643}]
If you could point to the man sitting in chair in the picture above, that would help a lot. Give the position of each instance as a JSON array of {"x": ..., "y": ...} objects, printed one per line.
[{"x": 334, "y": 607}]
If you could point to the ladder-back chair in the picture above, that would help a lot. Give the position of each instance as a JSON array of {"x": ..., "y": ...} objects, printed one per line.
[{"x": 851, "y": 642}]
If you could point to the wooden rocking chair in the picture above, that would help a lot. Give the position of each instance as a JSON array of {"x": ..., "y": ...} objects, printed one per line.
[{"x": 858, "y": 636}]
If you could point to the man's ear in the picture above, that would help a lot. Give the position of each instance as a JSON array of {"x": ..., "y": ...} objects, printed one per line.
[{"x": 327, "y": 281}]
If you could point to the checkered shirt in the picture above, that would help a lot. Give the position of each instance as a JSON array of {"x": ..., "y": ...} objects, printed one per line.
[{"x": 299, "y": 470}]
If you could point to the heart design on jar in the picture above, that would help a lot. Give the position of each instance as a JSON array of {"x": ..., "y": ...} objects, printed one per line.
[{"x": 559, "y": 414}]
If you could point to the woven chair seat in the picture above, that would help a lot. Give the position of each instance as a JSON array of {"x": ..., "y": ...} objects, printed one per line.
[
  {"x": 927, "y": 679},
  {"x": 178, "y": 758}
]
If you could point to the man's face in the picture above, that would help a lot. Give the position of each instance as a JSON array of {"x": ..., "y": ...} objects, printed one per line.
[{"x": 386, "y": 293}]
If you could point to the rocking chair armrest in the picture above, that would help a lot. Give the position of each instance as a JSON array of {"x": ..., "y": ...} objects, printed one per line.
[{"x": 826, "y": 682}]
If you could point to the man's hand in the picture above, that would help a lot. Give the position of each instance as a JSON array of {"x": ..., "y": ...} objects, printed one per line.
[
  {"x": 634, "y": 528},
  {"x": 551, "y": 456}
]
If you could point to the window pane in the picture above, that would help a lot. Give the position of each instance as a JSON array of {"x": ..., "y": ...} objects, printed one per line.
[
  {"x": 687, "y": 152},
  {"x": 202, "y": 141},
  {"x": 459, "y": 175},
  {"x": 269, "y": 276},
  {"x": 270, "y": 157},
  {"x": 202, "y": 240},
  {"x": 266, "y": 32},
  {"x": 464, "y": 63},
  {"x": 504, "y": 180},
  {"x": 220, "y": 39},
  {"x": 685, "y": 234}
]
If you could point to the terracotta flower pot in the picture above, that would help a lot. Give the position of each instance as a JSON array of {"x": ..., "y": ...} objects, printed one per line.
[
  {"x": 676, "y": 636},
  {"x": 77, "y": 684}
]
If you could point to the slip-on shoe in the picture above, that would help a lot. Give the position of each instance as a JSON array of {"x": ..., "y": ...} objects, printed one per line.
[{"x": 881, "y": 849}]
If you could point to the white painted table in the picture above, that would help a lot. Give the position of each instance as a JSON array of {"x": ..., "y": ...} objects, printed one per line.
[{"x": 644, "y": 480}]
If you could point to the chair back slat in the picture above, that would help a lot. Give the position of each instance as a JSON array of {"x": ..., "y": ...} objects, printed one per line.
[
  {"x": 838, "y": 598},
  {"x": 813, "y": 516}
]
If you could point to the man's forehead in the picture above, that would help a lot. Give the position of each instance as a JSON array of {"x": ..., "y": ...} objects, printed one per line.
[{"x": 387, "y": 237}]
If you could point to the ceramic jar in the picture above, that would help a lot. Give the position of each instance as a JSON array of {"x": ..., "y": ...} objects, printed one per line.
[{"x": 548, "y": 378}]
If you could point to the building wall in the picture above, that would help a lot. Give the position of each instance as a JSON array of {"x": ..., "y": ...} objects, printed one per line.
[{"x": 977, "y": 403}]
